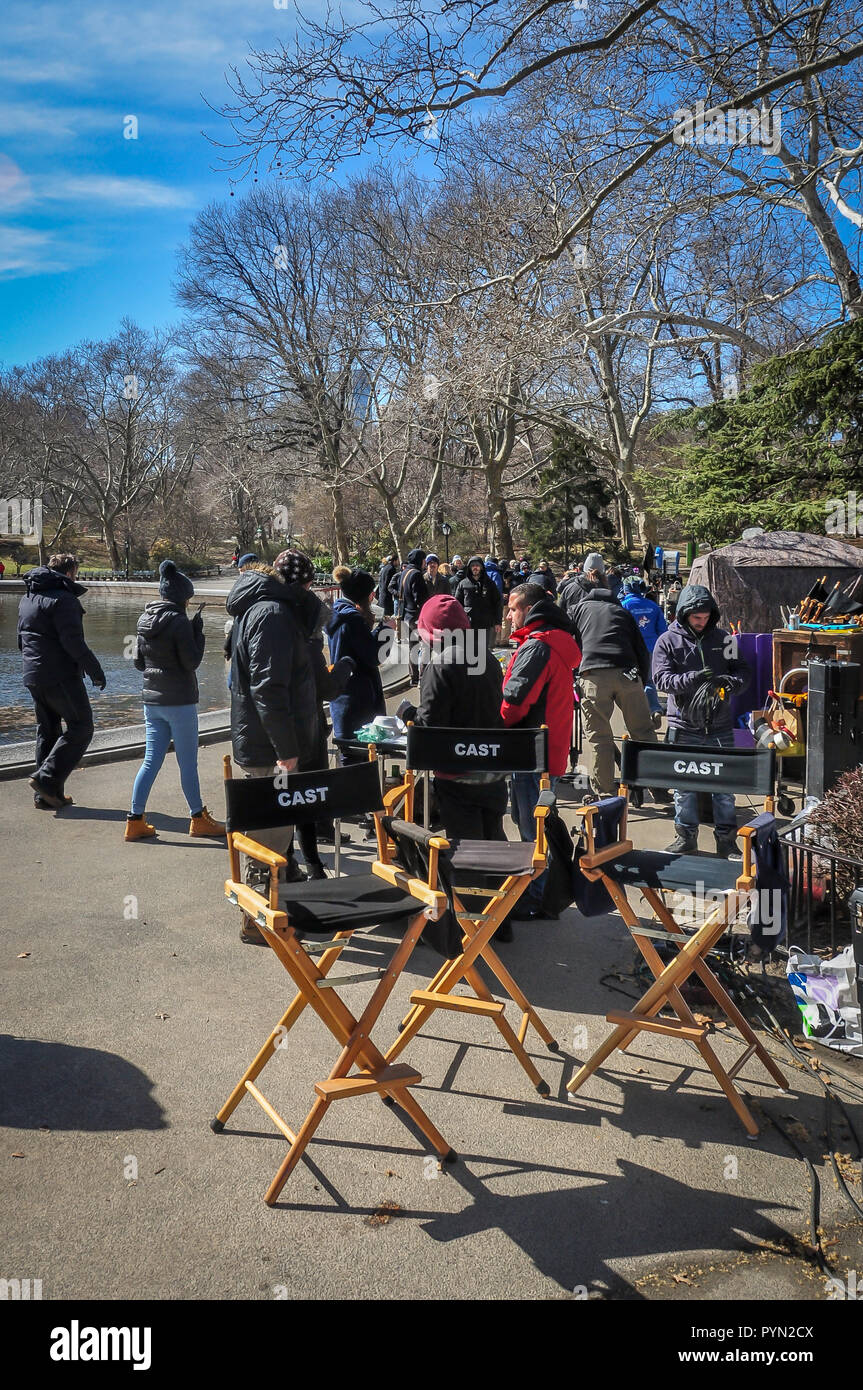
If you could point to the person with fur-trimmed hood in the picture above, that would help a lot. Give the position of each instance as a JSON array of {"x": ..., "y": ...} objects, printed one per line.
[{"x": 696, "y": 663}]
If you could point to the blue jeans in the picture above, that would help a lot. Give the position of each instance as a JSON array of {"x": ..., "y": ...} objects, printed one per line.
[
  {"x": 686, "y": 803},
  {"x": 523, "y": 798},
  {"x": 163, "y": 723}
]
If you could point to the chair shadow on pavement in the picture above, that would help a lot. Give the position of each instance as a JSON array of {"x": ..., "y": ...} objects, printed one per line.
[
  {"x": 58, "y": 1086},
  {"x": 572, "y": 1233}
]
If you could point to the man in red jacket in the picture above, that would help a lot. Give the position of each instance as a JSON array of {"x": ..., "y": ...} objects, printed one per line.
[{"x": 537, "y": 689}]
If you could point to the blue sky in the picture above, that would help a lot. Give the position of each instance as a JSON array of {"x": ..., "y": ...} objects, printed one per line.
[{"x": 90, "y": 221}]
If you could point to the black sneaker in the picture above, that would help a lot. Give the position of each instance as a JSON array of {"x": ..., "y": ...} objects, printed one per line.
[
  {"x": 316, "y": 871},
  {"x": 683, "y": 844}
]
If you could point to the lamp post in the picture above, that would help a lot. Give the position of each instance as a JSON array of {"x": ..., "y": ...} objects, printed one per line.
[{"x": 446, "y": 532}]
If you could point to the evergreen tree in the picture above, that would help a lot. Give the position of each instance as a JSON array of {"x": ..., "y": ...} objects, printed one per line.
[
  {"x": 571, "y": 497},
  {"x": 775, "y": 455}
]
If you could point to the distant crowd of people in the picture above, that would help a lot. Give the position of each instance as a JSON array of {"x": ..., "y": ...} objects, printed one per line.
[{"x": 605, "y": 643}]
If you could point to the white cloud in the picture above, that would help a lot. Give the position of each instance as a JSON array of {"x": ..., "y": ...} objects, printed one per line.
[
  {"x": 14, "y": 184},
  {"x": 26, "y": 252},
  {"x": 106, "y": 188}
]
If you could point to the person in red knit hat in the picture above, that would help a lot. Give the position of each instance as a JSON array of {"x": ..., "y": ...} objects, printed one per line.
[{"x": 460, "y": 687}]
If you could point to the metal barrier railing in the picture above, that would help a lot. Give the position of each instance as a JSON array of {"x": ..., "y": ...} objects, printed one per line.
[{"x": 811, "y": 885}]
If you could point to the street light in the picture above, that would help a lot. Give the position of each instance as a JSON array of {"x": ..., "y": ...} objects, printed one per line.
[{"x": 446, "y": 532}]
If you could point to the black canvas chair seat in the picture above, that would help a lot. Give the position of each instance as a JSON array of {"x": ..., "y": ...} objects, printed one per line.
[
  {"x": 657, "y": 869},
  {"x": 322, "y": 906},
  {"x": 491, "y": 858}
]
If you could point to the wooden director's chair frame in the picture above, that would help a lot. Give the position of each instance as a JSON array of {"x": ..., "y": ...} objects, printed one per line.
[
  {"x": 522, "y": 750},
  {"x": 652, "y": 765},
  {"x": 316, "y": 989}
]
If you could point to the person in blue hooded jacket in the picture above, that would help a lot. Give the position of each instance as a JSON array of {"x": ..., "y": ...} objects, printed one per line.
[
  {"x": 651, "y": 625},
  {"x": 351, "y": 632},
  {"x": 696, "y": 663}
]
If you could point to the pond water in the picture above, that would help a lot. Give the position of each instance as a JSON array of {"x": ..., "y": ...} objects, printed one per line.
[{"x": 109, "y": 623}]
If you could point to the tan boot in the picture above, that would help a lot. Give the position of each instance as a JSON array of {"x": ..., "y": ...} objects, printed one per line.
[
  {"x": 139, "y": 829},
  {"x": 204, "y": 824}
]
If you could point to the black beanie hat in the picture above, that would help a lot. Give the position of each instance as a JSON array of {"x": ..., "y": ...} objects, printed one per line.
[
  {"x": 174, "y": 586},
  {"x": 358, "y": 586}
]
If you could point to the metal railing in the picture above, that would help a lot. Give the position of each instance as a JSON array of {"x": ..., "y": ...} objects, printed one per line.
[{"x": 813, "y": 896}]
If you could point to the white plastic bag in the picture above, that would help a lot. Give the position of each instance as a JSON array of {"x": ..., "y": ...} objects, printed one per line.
[{"x": 826, "y": 994}]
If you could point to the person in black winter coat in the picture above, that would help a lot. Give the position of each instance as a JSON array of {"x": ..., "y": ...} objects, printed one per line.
[
  {"x": 436, "y": 583},
  {"x": 480, "y": 598},
  {"x": 386, "y": 599},
  {"x": 169, "y": 650},
  {"x": 55, "y": 658},
  {"x": 274, "y": 708},
  {"x": 456, "y": 692},
  {"x": 459, "y": 572},
  {"x": 312, "y": 614},
  {"x": 412, "y": 594}
]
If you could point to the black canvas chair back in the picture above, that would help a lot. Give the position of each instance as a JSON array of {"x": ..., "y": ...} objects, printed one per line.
[
  {"x": 262, "y": 803},
  {"x": 477, "y": 750},
  {"x": 740, "y": 771}
]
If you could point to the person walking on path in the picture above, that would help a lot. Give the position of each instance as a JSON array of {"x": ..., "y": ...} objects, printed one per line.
[
  {"x": 696, "y": 662},
  {"x": 169, "y": 650},
  {"x": 55, "y": 658},
  {"x": 480, "y": 599},
  {"x": 651, "y": 625},
  {"x": 615, "y": 668},
  {"x": 273, "y": 703},
  {"x": 537, "y": 690}
]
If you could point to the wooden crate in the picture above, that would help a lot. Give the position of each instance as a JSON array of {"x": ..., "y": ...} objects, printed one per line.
[{"x": 792, "y": 649}]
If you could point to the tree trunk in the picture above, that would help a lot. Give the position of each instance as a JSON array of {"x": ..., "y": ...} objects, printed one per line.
[
  {"x": 340, "y": 534},
  {"x": 111, "y": 545}
]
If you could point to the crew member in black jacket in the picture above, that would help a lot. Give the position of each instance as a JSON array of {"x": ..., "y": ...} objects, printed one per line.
[
  {"x": 273, "y": 698},
  {"x": 480, "y": 597},
  {"x": 55, "y": 657}
]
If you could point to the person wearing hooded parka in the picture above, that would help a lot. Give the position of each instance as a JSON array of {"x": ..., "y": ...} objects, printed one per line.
[{"x": 479, "y": 597}]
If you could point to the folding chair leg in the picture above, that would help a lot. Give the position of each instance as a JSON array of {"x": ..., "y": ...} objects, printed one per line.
[
  {"x": 515, "y": 1045},
  {"x": 295, "y": 1152},
  {"x": 514, "y": 990},
  {"x": 666, "y": 989},
  {"x": 723, "y": 999},
  {"x": 357, "y": 1048},
  {"x": 284, "y": 1025}
]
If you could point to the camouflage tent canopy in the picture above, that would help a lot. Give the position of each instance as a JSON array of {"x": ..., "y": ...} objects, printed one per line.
[{"x": 751, "y": 578}]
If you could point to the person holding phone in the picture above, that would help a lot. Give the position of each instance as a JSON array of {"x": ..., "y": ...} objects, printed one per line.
[{"x": 169, "y": 650}]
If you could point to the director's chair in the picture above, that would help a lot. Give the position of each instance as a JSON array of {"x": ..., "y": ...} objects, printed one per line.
[
  {"x": 294, "y": 916},
  {"x": 493, "y": 873},
  {"x": 611, "y": 860}
]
